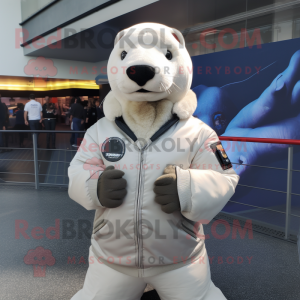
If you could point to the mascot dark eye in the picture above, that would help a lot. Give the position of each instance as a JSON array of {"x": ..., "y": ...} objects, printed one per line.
[
  {"x": 123, "y": 54},
  {"x": 169, "y": 55}
]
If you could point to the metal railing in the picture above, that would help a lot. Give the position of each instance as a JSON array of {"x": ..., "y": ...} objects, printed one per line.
[
  {"x": 35, "y": 149},
  {"x": 289, "y": 170}
]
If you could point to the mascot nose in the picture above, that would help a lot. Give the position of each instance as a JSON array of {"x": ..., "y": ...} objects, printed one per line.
[{"x": 140, "y": 74}]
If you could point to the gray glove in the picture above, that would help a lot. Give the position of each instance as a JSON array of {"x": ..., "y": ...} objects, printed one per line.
[
  {"x": 165, "y": 188},
  {"x": 111, "y": 188}
]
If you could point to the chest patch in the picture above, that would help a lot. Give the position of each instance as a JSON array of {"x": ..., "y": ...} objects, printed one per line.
[
  {"x": 221, "y": 155},
  {"x": 113, "y": 149}
]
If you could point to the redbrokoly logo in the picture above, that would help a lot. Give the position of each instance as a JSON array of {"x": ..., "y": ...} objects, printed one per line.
[{"x": 40, "y": 258}]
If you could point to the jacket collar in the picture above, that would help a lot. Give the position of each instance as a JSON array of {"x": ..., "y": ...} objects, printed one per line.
[{"x": 124, "y": 127}]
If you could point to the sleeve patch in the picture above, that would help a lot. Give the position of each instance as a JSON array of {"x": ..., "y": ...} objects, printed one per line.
[{"x": 221, "y": 155}]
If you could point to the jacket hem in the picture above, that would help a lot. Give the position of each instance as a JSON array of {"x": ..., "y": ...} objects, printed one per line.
[{"x": 152, "y": 271}]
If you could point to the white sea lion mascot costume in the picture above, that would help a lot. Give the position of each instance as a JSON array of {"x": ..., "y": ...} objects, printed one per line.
[{"x": 153, "y": 173}]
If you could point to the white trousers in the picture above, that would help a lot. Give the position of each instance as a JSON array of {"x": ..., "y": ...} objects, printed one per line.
[{"x": 191, "y": 282}]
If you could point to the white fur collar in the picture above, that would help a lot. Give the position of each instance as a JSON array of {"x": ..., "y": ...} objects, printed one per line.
[
  {"x": 183, "y": 109},
  {"x": 144, "y": 119}
]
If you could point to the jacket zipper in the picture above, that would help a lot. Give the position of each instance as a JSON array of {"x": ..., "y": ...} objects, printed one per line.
[
  {"x": 138, "y": 209},
  {"x": 138, "y": 233}
]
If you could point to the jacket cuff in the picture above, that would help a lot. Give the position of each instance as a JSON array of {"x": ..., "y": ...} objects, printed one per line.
[
  {"x": 92, "y": 188},
  {"x": 184, "y": 189}
]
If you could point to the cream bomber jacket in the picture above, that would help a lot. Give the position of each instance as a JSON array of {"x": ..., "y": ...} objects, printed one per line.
[{"x": 138, "y": 238}]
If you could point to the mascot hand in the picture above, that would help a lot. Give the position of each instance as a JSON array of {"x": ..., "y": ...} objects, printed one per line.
[
  {"x": 165, "y": 188},
  {"x": 111, "y": 187}
]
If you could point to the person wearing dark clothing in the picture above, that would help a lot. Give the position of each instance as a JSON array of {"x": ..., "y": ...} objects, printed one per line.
[
  {"x": 91, "y": 117},
  {"x": 2, "y": 121},
  {"x": 6, "y": 123},
  {"x": 20, "y": 123},
  {"x": 20, "y": 114},
  {"x": 77, "y": 117},
  {"x": 49, "y": 119},
  {"x": 85, "y": 106},
  {"x": 77, "y": 111},
  {"x": 100, "y": 113}
]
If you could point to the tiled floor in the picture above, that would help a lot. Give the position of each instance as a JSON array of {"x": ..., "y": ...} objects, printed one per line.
[{"x": 261, "y": 268}]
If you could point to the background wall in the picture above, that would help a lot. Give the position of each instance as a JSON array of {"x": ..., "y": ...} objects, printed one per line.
[{"x": 12, "y": 59}]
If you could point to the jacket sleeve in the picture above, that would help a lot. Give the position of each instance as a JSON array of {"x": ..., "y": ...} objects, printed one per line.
[
  {"x": 205, "y": 187},
  {"x": 84, "y": 171}
]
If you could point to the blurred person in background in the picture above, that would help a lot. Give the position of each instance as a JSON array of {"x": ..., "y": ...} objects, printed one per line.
[
  {"x": 91, "y": 117},
  {"x": 97, "y": 103},
  {"x": 77, "y": 117},
  {"x": 66, "y": 111},
  {"x": 33, "y": 111},
  {"x": 68, "y": 116},
  {"x": 12, "y": 104},
  {"x": 20, "y": 123},
  {"x": 85, "y": 106},
  {"x": 2, "y": 122},
  {"x": 49, "y": 119},
  {"x": 6, "y": 124},
  {"x": 100, "y": 113}
]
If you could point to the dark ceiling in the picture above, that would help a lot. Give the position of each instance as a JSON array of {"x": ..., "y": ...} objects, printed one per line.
[{"x": 180, "y": 14}]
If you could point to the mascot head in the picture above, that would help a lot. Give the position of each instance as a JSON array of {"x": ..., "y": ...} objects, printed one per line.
[
  {"x": 150, "y": 74},
  {"x": 149, "y": 62}
]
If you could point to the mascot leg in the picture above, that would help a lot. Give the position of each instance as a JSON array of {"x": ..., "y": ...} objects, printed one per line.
[
  {"x": 214, "y": 293},
  {"x": 104, "y": 283},
  {"x": 191, "y": 282}
]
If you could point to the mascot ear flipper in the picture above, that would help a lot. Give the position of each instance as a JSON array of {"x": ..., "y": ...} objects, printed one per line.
[
  {"x": 119, "y": 36},
  {"x": 178, "y": 36},
  {"x": 111, "y": 107},
  {"x": 186, "y": 106}
]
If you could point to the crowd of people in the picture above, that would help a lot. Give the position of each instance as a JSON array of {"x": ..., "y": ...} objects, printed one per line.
[
  {"x": 82, "y": 116},
  {"x": 34, "y": 116}
]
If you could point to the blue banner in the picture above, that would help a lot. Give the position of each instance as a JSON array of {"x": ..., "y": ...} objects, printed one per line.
[{"x": 254, "y": 92}]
